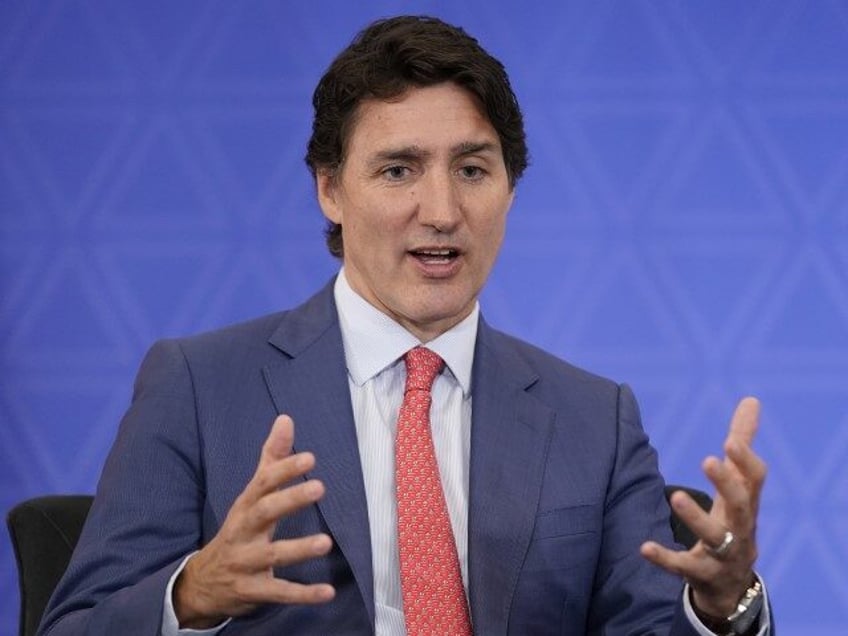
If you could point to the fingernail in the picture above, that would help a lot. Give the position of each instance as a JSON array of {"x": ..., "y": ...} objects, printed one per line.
[
  {"x": 320, "y": 544},
  {"x": 302, "y": 460},
  {"x": 313, "y": 488}
]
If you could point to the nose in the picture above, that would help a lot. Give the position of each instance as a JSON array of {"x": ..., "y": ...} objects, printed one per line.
[{"x": 439, "y": 205}]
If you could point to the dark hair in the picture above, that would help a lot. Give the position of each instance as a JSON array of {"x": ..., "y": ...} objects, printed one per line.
[{"x": 383, "y": 61}]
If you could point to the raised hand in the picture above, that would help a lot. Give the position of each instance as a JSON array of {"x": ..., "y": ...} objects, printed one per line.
[
  {"x": 720, "y": 566},
  {"x": 233, "y": 573}
]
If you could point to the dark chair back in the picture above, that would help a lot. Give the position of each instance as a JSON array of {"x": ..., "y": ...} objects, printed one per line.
[
  {"x": 682, "y": 534},
  {"x": 44, "y": 532}
]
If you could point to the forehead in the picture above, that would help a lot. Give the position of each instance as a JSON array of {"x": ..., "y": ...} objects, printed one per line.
[{"x": 431, "y": 117}]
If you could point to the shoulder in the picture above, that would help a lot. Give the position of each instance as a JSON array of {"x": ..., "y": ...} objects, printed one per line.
[
  {"x": 582, "y": 400},
  {"x": 286, "y": 330},
  {"x": 248, "y": 333},
  {"x": 228, "y": 363},
  {"x": 548, "y": 366}
]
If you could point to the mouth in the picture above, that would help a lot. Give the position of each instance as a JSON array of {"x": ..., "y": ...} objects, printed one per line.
[
  {"x": 438, "y": 262},
  {"x": 435, "y": 256}
]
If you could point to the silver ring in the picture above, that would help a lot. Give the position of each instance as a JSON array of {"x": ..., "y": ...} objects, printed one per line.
[{"x": 720, "y": 550}]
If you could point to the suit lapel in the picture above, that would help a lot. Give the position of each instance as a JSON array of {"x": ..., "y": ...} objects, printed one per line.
[
  {"x": 312, "y": 387},
  {"x": 510, "y": 436}
]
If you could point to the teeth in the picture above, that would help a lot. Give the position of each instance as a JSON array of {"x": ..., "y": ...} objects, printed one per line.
[{"x": 435, "y": 252}]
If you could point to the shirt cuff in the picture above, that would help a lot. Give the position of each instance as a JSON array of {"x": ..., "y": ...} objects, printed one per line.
[
  {"x": 170, "y": 625},
  {"x": 765, "y": 614}
]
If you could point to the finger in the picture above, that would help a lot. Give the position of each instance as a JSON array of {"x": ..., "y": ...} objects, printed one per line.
[
  {"x": 261, "y": 557},
  {"x": 680, "y": 563},
  {"x": 266, "y": 511},
  {"x": 287, "y": 552},
  {"x": 733, "y": 505},
  {"x": 277, "y": 447},
  {"x": 270, "y": 477},
  {"x": 702, "y": 524},
  {"x": 256, "y": 591},
  {"x": 745, "y": 421},
  {"x": 749, "y": 465},
  {"x": 280, "y": 440},
  {"x": 291, "y": 593}
]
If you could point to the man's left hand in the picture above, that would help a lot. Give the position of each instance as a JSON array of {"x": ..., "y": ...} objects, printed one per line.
[{"x": 719, "y": 572}]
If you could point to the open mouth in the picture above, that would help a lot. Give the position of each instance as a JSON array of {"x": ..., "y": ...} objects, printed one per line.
[{"x": 435, "y": 256}]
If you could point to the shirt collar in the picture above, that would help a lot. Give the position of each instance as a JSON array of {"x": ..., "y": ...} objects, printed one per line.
[{"x": 373, "y": 341}]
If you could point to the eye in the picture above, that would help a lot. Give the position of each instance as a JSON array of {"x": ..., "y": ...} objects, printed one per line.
[
  {"x": 472, "y": 173},
  {"x": 396, "y": 173}
]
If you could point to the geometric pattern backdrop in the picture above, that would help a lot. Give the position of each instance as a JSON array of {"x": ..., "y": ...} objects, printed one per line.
[{"x": 683, "y": 225}]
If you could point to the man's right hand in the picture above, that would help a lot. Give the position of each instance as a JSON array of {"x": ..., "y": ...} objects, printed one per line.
[{"x": 233, "y": 573}]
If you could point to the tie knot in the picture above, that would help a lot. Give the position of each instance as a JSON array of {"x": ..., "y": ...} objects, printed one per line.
[{"x": 422, "y": 367}]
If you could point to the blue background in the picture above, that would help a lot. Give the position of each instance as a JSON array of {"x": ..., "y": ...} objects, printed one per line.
[{"x": 683, "y": 226}]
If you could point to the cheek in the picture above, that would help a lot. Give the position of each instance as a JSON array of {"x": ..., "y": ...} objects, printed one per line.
[
  {"x": 371, "y": 231},
  {"x": 492, "y": 229}
]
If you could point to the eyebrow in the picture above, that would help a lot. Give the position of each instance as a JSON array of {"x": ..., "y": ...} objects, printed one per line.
[
  {"x": 405, "y": 153},
  {"x": 473, "y": 148},
  {"x": 415, "y": 152}
]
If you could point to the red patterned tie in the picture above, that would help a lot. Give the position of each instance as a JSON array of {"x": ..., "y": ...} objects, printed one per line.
[{"x": 433, "y": 597}]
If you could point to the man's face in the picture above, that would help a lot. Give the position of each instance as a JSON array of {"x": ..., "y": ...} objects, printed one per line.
[{"x": 422, "y": 198}]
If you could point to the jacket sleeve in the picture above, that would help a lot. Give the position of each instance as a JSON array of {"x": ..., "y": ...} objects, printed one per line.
[
  {"x": 630, "y": 594},
  {"x": 147, "y": 513}
]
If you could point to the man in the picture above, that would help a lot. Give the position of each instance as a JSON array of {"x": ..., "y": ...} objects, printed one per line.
[{"x": 536, "y": 506}]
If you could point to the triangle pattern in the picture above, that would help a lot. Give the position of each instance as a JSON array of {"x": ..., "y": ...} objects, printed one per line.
[
  {"x": 630, "y": 42},
  {"x": 278, "y": 53},
  {"x": 810, "y": 313},
  {"x": 159, "y": 41},
  {"x": 701, "y": 427},
  {"x": 19, "y": 204},
  {"x": 248, "y": 289},
  {"x": 87, "y": 410},
  {"x": 19, "y": 270},
  {"x": 704, "y": 278},
  {"x": 718, "y": 181},
  {"x": 163, "y": 289},
  {"x": 807, "y": 555},
  {"x": 660, "y": 398},
  {"x": 811, "y": 42},
  {"x": 256, "y": 285},
  {"x": 555, "y": 183},
  {"x": 256, "y": 153},
  {"x": 507, "y": 291},
  {"x": 71, "y": 48},
  {"x": 721, "y": 32},
  {"x": 627, "y": 297},
  {"x": 547, "y": 36},
  {"x": 841, "y": 248},
  {"x": 625, "y": 143},
  {"x": 302, "y": 264},
  {"x": 811, "y": 144},
  {"x": 75, "y": 151},
  {"x": 70, "y": 320},
  {"x": 838, "y": 490},
  {"x": 181, "y": 197},
  {"x": 18, "y": 477},
  {"x": 810, "y": 449},
  {"x": 836, "y": 525}
]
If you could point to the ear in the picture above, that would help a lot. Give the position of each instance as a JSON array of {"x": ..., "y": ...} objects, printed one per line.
[{"x": 328, "y": 195}]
